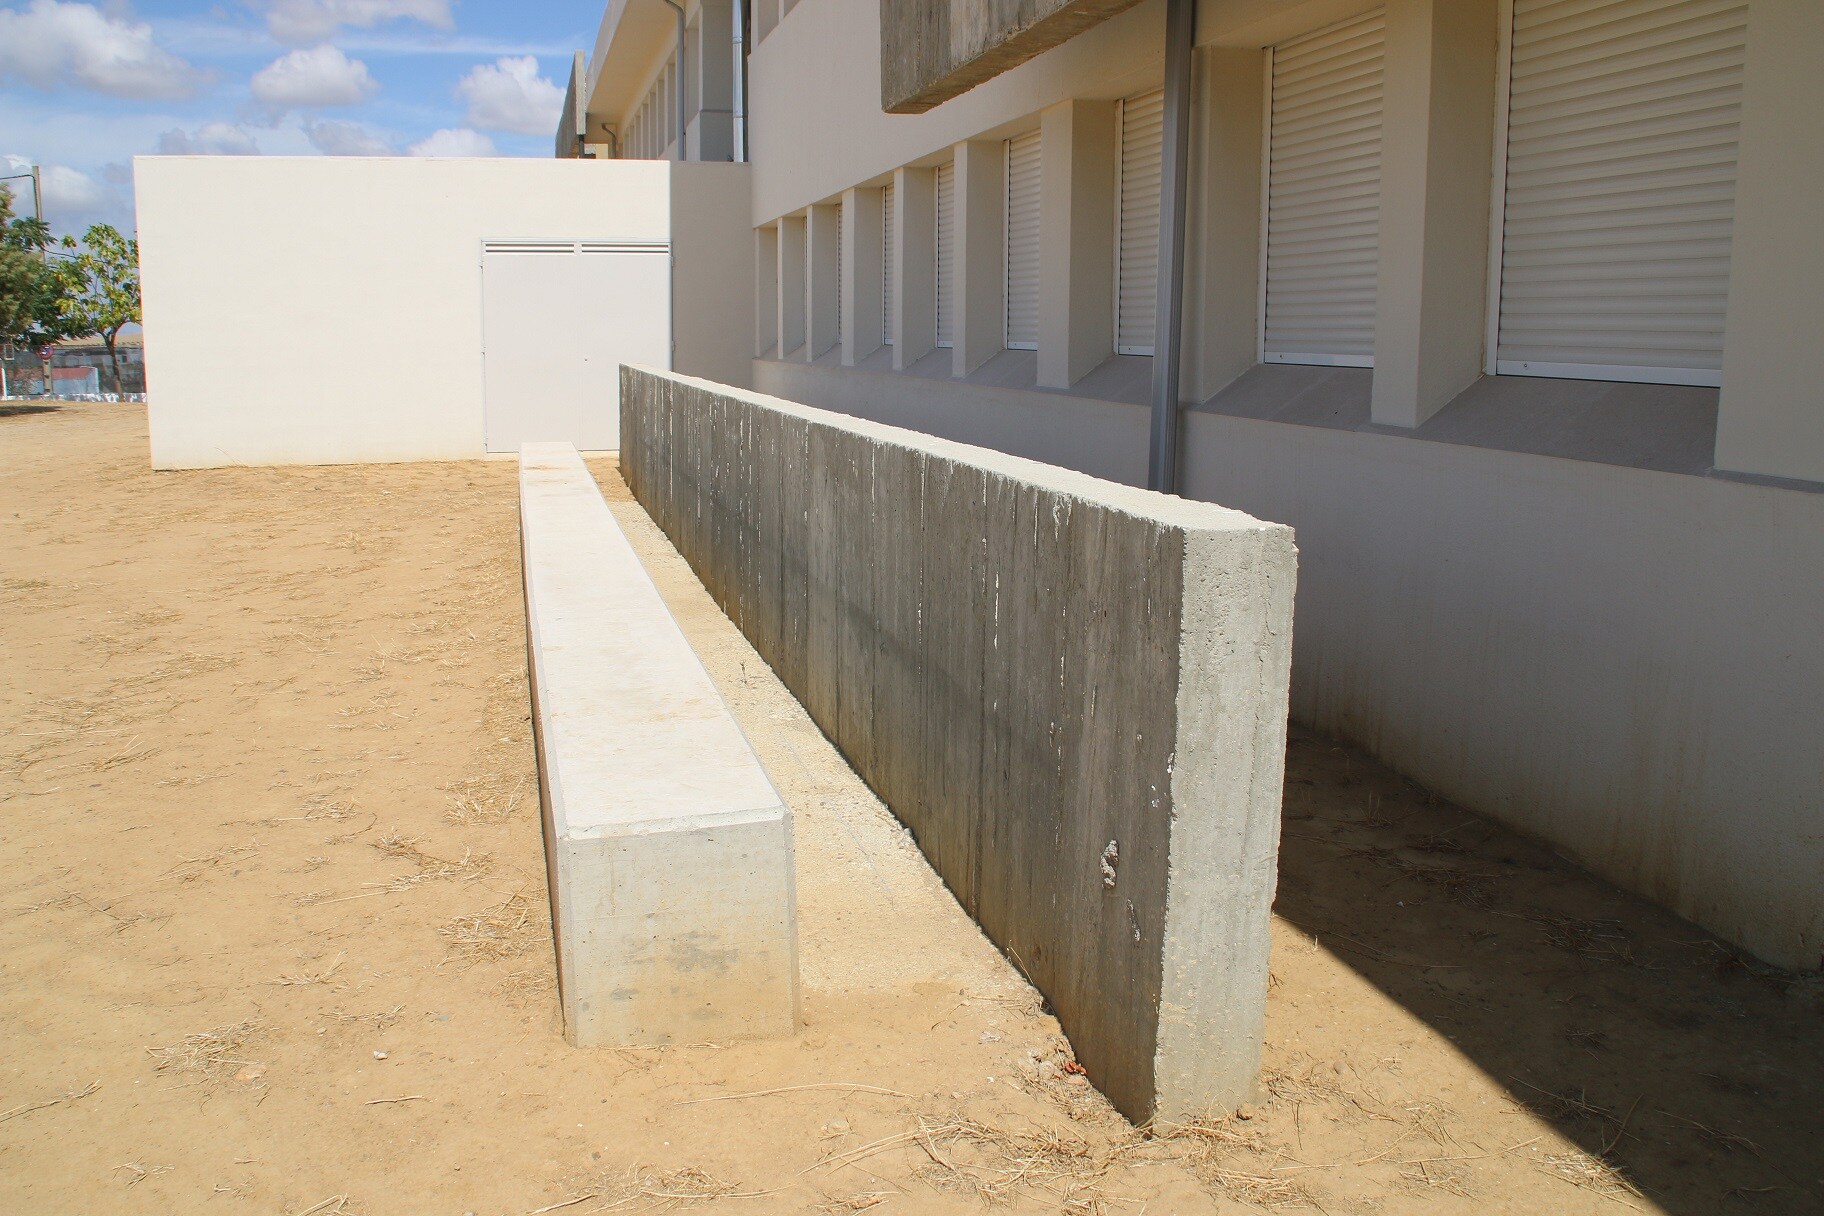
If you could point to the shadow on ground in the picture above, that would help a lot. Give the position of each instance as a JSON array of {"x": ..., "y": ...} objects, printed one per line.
[
  {"x": 1695, "y": 1071},
  {"x": 19, "y": 411}
]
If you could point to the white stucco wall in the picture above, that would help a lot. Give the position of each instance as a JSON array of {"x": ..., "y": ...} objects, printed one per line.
[{"x": 317, "y": 310}]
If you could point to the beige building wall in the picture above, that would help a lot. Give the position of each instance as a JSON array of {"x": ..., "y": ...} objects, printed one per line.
[{"x": 1659, "y": 737}]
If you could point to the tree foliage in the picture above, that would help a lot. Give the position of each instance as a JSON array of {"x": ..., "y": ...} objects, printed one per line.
[
  {"x": 100, "y": 287},
  {"x": 32, "y": 284}
]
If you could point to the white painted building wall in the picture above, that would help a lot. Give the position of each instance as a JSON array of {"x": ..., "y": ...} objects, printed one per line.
[{"x": 349, "y": 291}]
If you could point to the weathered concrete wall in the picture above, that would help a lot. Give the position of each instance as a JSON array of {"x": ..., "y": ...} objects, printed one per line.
[
  {"x": 1623, "y": 662},
  {"x": 668, "y": 851},
  {"x": 1072, "y": 692},
  {"x": 933, "y": 50}
]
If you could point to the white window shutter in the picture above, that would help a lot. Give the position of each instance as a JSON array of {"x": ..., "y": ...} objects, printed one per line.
[
  {"x": 1023, "y": 168},
  {"x": 888, "y": 310},
  {"x": 1137, "y": 247},
  {"x": 946, "y": 252},
  {"x": 1324, "y": 195},
  {"x": 1618, "y": 208}
]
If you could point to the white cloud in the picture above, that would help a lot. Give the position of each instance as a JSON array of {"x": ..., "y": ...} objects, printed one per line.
[
  {"x": 453, "y": 141},
  {"x": 74, "y": 199},
  {"x": 210, "y": 139},
  {"x": 346, "y": 139},
  {"x": 320, "y": 76},
  {"x": 296, "y": 22},
  {"x": 510, "y": 95},
  {"x": 50, "y": 44}
]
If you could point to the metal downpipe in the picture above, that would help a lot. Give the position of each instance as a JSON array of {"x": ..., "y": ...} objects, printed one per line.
[{"x": 1168, "y": 314}]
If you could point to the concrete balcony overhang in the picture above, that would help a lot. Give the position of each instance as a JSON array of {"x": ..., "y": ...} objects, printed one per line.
[{"x": 633, "y": 35}]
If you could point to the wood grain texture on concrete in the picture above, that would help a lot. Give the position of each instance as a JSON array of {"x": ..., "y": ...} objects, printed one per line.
[
  {"x": 668, "y": 850},
  {"x": 1072, "y": 692},
  {"x": 933, "y": 50}
]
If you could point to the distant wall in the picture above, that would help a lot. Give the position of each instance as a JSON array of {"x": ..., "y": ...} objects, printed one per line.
[
  {"x": 321, "y": 310},
  {"x": 1072, "y": 692}
]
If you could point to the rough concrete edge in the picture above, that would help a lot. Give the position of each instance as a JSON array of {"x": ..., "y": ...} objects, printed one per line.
[
  {"x": 1185, "y": 513},
  {"x": 994, "y": 58},
  {"x": 1233, "y": 696}
]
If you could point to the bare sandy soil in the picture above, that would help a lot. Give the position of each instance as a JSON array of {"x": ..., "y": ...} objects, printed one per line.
[{"x": 273, "y": 936}]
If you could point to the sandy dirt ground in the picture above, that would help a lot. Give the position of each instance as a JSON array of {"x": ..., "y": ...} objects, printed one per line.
[{"x": 273, "y": 936}]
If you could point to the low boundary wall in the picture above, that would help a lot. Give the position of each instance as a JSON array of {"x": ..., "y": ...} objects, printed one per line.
[
  {"x": 1072, "y": 692},
  {"x": 669, "y": 853}
]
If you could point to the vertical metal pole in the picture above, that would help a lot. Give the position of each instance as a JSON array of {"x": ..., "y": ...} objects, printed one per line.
[
  {"x": 739, "y": 9},
  {"x": 1168, "y": 316},
  {"x": 679, "y": 10}
]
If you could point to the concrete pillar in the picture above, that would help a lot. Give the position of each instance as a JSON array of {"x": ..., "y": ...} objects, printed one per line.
[
  {"x": 1076, "y": 240},
  {"x": 914, "y": 266},
  {"x": 862, "y": 315},
  {"x": 1222, "y": 317},
  {"x": 1436, "y": 147},
  {"x": 791, "y": 286},
  {"x": 714, "y": 138},
  {"x": 1770, "y": 422},
  {"x": 980, "y": 245},
  {"x": 821, "y": 317},
  {"x": 766, "y": 290}
]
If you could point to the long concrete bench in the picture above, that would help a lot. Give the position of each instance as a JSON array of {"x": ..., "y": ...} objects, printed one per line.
[{"x": 669, "y": 853}]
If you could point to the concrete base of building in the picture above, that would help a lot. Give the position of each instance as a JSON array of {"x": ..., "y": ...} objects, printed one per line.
[{"x": 669, "y": 853}]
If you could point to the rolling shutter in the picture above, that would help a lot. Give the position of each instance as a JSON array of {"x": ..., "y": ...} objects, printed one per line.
[
  {"x": 1620, "y": 194},
  {"x": 1324, "y": 195},
  {"x": 888, "y": 310},
  {"x": 1023, "y": 242},
  {"x": 946, "y": 251},
  {"x": 1137, "y": 250}
]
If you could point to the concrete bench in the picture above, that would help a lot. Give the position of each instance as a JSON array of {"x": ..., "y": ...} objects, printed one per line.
[{"x": 668, "y": 851}]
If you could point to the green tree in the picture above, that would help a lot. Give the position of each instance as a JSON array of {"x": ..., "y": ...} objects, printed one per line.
[
  {"x": 31, "y": 285},
  {"x": 101, "y": 288}
]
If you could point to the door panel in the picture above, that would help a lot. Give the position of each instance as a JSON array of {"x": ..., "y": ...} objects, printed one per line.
[{"x": 558, "y": 320}]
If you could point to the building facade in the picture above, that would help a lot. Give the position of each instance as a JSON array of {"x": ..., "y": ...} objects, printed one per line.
[{"x": 1509, "y": 307}]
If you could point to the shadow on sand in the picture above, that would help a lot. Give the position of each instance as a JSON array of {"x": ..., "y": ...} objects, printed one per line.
[{"x": 1696, "y": 1071}]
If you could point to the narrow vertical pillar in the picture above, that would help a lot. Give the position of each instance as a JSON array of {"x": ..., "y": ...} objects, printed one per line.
[
  {"x": 914, "y": 266},
  {"x": 862, "y": 314},
  {"x": 715, "y": 75},
  {"x": 981, "y": 251},
  {"x": 791, "y": 286},
  {"x": 1223, "y": 243},
  {"x": 1770, "y": 421},
  {"x": 766, "y": 291},
  {"x": 1076, "y": 240},
  {"x": 821, "y": 316},
  {"x": 1437, "y": 138}
]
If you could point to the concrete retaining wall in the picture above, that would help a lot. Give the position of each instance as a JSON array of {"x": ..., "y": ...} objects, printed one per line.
[
  {"x": 1072, "y": 692},
  {"x": 1620, "y": 661},
  {"x": 669, "y": 853}
]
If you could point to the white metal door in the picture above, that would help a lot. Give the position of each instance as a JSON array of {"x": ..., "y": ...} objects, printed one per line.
[
  {"x": 946, "y": 251},
  {"x": 889, "y": 304},
  {"x": 1619, "y": 199},
  {"x": 1137, "y": 243},
  {"x": 1324, "y": 195},
  {"x": 1023, "y": 182},
  {"x": 558, "y": 320}
]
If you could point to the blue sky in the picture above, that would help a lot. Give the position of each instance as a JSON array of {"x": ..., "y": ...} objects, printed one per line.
[{"x": 85, "y": 87}]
